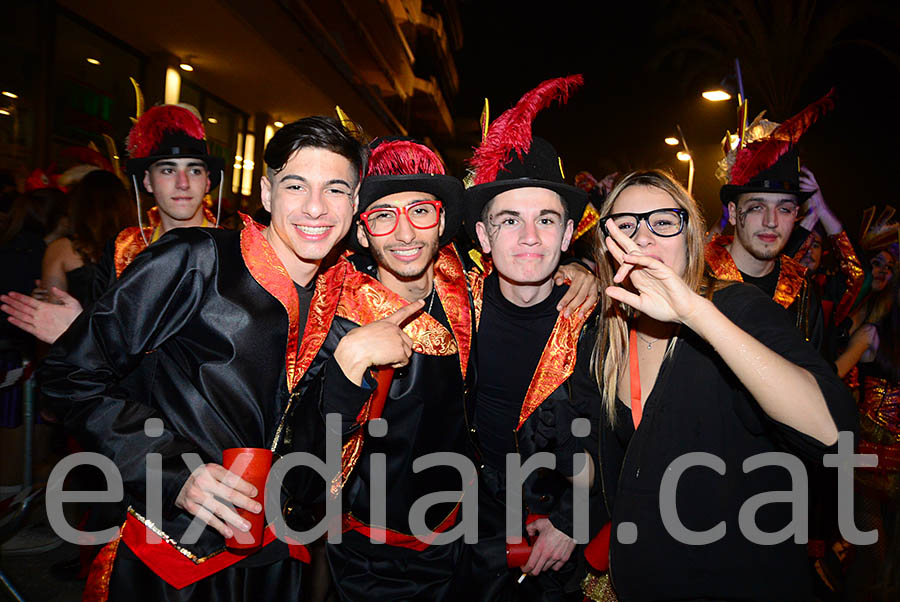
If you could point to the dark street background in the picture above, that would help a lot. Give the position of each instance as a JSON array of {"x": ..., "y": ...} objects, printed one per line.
[{"x": 646, "y": 63}]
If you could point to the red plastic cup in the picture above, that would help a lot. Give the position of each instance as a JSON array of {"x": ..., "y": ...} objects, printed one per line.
[
  {"x": 517, "y": 554},
  {"x": 252, "y": 464}
]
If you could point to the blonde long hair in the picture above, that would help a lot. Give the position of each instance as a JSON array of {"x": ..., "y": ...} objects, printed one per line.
[{"x": 611, "y": 348}]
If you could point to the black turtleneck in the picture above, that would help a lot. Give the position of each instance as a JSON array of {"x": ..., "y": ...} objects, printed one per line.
[
  {"x": 767, "y": 283},
  {"x": 511, "y": 340}
]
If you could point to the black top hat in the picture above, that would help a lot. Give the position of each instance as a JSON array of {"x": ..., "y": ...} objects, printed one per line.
[
  {"x": 509, "y": 157},
  {"x": 770, "y": 163},
  {"x": 782, "y": 177},
  {"x": 537, "y": 168},
  {"x": 169, "y": 132},
  {"x": 401, "y": 164}
]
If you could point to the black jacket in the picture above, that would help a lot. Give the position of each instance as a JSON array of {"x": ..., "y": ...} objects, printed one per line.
[
  {"x": 561, "y": 390},
  {"x": 698, "y": 405},
  {"x": 424, "y": 407},
  {"x": 189, "y": 336}
]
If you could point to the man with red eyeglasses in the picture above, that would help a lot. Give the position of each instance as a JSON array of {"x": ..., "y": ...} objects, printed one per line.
[{"x": 407, "y": 274}]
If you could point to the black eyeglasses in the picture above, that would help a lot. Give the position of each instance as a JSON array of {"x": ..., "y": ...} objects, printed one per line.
[{"x": 662, "y": 222}]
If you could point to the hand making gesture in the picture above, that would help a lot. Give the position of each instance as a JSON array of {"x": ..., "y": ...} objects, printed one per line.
[
  {"x": 660, "y": 292},
  {"x": 381, "y": 343}
]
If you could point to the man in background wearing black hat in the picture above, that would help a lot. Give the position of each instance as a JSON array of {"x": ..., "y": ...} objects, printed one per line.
[
  {"x": 534, "y": 391},
  {"x": 407, "y": 273},
  {"x": 763, "y": 196},
  {"x": 763, "y": 222},
  {"x": 196, "y": 349},
  {"x": 167, "y": 159}
]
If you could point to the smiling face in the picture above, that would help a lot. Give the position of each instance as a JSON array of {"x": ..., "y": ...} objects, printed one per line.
[
  {"x": 312, "y": 200},
  {"x": 763, "y": 222},
  {"x": 525, "y": 233},
  {"x": 178, "y": 185},
  {"x": 407, "y": 252},
  {"x": 639, "y": 198}
]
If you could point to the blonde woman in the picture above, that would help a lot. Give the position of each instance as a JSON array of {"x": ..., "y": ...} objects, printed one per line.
[{"x": 689, "y": 364}]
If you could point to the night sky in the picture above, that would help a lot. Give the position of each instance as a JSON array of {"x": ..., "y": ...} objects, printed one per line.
[{"x": 640, "y": 83}]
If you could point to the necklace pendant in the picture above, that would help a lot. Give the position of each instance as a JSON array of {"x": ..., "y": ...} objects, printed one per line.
[{"x": 649, "y": 345}]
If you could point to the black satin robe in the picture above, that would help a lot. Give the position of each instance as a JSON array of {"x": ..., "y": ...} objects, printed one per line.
[
  {"x": 425, "y": 414},
  {"x": 544, "y": 492},
  {"x": 189, "y": 337}
]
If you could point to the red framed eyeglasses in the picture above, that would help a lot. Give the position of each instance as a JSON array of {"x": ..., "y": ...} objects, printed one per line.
[{"x": 383, "y": 221}]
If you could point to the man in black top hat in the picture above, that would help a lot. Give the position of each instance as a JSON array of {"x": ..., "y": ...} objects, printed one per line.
[
  {"x": 168, "y": 159},
  {"x": 534, "y": 390},
  {"x": 763, "y": 197}
]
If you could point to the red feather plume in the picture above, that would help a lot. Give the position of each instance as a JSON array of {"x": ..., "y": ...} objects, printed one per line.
[
  {"x": 403, "y": 158},
  {"x": 761, "y": 155},
  {"x": 512, "y": 130},
  {"x": 152, "y": 126}
]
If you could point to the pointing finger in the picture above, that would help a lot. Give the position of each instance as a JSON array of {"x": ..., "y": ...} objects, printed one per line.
[{"x": 404, "y": 313}]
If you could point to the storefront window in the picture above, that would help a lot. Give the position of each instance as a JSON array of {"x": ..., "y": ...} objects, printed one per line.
[{"x": 225, "y": 136}]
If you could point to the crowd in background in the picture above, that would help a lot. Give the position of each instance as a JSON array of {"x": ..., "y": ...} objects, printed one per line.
[{"x": 52, "y": 238}]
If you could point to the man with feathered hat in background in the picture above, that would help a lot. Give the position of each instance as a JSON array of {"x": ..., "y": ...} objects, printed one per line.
[
  {"x": 197, "y": 348},
  {"x": 534, "y": 391},
  {"x": 763, "y": 192},
  {"x": 763, "y": 195},
  {"x": 168, "y": 159}
]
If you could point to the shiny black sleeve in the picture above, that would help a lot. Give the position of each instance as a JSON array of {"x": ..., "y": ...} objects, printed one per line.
[
  {"x": 339, "y": 395},
  {"x": 86, "y": 376}
]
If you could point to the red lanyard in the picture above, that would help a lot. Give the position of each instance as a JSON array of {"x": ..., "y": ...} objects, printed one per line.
[{"x": 634, "y": 371}]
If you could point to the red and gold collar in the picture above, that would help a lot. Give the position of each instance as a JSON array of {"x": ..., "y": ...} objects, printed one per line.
[
  {"x": 366, "y": 300},
  {"x": 130, "y": 242},
  {"x": 267, "y": 269},
  {"x": 791, "y": 275},
  {"x": 558, "y": 358}
]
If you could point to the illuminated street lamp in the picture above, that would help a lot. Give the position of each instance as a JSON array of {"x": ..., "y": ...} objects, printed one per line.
[
  {"x": 721, "y": 93},
  {"x": 683, "y": 156},
  {"x": 672, "y": 141},
  {"x": 716, "y": 95}
]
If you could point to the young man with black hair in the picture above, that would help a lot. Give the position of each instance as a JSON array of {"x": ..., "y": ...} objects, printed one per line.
[
  {"x": 196, "y": 349},
  {"x": 169, "y": 160}
]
